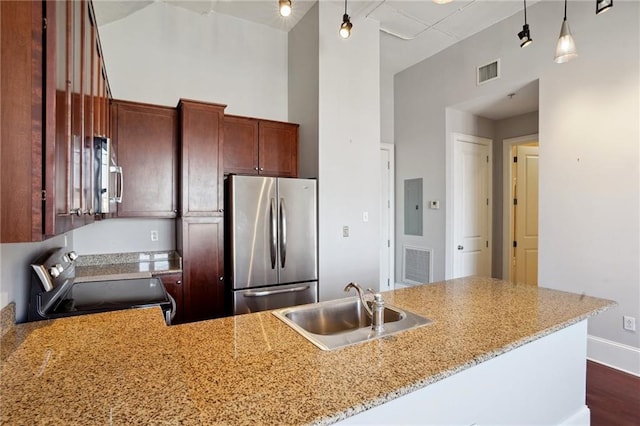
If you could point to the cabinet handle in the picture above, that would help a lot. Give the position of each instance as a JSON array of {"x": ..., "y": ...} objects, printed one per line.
[
  {"x": 77, "y": 212},
  {"x": 179, "y": 282},
  {"x": 255, "y": 168},
  {"x": 221, "y": 278},
  {"x": 262, "y": 169}
]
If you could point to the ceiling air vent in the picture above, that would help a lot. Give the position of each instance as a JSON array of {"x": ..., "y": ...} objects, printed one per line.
[{"x": 488, "y": 72}]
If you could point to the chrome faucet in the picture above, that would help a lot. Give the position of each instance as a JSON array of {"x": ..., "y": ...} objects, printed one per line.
[{"x": 376, "y": 311}]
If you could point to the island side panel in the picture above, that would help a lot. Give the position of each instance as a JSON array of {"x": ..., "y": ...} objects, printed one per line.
[{"x": 542, "y": 382}]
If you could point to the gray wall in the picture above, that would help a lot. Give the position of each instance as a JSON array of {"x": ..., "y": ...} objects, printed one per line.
[
  {"x": 589, "y": 149},
  {"x": 15, "y": 272},
  {"x": 304, "y": 93}
]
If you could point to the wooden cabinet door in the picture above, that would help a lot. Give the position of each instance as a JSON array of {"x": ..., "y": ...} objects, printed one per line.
[
  {"x": 201, "y": 245},
  {"x": 147, "y": 141},
  {"x": 202, "y": 128},
  {"x": 240, "y": 145},
  {"x": 173, "y": 284},
  {"x": 278, "y": 145},
  {"x": 21, "y": 131}
]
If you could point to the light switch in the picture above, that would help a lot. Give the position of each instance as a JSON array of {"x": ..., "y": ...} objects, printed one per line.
[{"x": 345, "y": 231}]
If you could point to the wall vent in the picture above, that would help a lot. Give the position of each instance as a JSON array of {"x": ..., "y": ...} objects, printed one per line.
[
  {"x": 488, "y": 72},
  {"x": 417, "y": 265}
]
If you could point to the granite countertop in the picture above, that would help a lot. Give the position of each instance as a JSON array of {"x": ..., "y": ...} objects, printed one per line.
[
  {"x": 127, "y": 367},
  {"x": 118, "y": 266}
]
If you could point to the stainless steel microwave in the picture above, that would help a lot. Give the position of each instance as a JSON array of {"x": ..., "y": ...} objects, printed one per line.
[{"x": 109, "y": 179}]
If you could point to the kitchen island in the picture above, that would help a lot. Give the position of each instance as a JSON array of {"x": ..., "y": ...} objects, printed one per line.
[{"x": 128, "y": 367}]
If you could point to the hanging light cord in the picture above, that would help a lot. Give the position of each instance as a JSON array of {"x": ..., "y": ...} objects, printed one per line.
[
  {"x": 565, "y": 9},
  {"x": 525, "y": 12},
  {"x": 345, "y": 8}
]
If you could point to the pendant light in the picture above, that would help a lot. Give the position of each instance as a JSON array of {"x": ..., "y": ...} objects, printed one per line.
[
  {"x": 442, "y": 1},
  {"x": 566, "y": 48},
  {"x": 524, "y": 35},
  {"x": 345, "y": 27},
  {"x": 603, "y": 6},
  {"x": 285, "y": 7}
]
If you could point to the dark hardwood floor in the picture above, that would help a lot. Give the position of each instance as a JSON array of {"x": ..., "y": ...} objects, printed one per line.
[{"x": 612, "y": 396}]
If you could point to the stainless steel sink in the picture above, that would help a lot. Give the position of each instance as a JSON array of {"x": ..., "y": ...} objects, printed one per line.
[{"x": 337, "y": 323}]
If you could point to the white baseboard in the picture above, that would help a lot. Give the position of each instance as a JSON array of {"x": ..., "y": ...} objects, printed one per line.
[{"x": 613, "y": 354}]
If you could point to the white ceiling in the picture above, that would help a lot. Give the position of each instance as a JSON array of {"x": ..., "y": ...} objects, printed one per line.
[{"x": 411, "y": 30}]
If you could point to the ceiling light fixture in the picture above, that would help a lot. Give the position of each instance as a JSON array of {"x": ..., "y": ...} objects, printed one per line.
[
  {"x": 525, "y": 35},
  {"x": 285, "y": 7},
  {"x": 345, "y": 27},
  {"x": 566, "y": 48},
  {"x": 442, "y": 1},
  {"x": 603, "y": 6}
]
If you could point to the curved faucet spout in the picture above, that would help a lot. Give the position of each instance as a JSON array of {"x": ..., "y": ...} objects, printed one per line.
[{"x": 364, "y": 303}]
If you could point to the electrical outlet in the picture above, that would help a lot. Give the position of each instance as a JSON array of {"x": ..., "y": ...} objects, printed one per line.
[
  {"x": 629, "y": 323},
  {"x": 365, "y": 216},
  {"x": 154, "y": 236}
]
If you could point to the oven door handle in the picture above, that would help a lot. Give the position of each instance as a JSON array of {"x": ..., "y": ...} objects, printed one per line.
[
  {"x": 169, "y": 316},
  {"x": 271, "y": 292}
]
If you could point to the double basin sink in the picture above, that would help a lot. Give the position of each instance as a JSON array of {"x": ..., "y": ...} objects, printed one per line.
[{"x": 343, "y": 322}]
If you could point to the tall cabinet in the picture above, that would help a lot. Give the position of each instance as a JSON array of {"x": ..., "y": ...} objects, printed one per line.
[{"x": 200, "y": 238}]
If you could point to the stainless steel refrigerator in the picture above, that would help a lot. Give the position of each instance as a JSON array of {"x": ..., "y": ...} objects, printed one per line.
[{"x": 273, "y": 242}]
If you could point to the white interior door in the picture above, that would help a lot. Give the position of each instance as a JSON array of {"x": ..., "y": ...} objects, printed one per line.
[
  {"x": 526, "y": 215},
  {"x": 472, "y": 206},
  {"x": 387, "y": 278}
]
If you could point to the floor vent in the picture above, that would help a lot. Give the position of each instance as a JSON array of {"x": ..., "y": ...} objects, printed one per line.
[
  {"x": 417, "y": 265},
  {"x": 488, "y": 72}
]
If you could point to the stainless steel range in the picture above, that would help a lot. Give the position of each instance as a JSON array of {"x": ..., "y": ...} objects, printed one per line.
[{"x": 56, "y": 294}]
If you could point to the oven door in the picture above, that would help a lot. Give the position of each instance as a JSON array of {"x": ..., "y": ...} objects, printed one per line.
[{"x": 280, "y": 296}]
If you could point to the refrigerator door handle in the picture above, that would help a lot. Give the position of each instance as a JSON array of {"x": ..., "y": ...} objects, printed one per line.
[
  {"x": 272, "y": 232},
  {"x": 271, "y": 292},
  {"x": 283, "y": 233}
]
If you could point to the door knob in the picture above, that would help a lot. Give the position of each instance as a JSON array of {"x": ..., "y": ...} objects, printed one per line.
[{"x": 460, "y": 248}]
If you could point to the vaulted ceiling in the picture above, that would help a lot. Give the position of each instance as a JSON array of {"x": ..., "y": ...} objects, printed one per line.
[{"x": 411, "y": 30}]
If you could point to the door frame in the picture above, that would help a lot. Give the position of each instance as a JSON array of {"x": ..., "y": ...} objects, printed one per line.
[
  {"x": 450, "y": 154},
  {"x": 507, "y": 191},
  {"x": 392, "y": 237}
]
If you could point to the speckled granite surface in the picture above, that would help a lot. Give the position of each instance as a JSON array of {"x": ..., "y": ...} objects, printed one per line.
[
  {"x": 127, "y": 367},
  {"x": 126, "y": 265},
  {"x": 7, "y": 318}
]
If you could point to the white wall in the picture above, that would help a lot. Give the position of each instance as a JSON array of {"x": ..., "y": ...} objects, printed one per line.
[
  {"x": 163, "y": 53},
  {"x": 589, "y": 145},
  {"x": 349, "y": 152}
]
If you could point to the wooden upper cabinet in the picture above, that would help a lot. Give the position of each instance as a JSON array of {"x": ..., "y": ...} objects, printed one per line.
[
  {"x": 260, "y": 147},
  {"x": 278, "y": 147},
  {"x": 201, "y": 133},
  {"x": 241, "y": 145},
  {"x": 146, "y": 139},
  {"x": 21, "y": 132}
]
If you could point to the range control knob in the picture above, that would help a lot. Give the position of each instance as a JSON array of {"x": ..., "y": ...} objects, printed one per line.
[
  {"x": 56, "y": 270},
  {"x": 72, "y": 255}
]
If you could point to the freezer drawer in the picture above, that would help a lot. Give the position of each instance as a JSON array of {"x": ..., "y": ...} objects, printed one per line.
[{"x": 275, "y": 297}]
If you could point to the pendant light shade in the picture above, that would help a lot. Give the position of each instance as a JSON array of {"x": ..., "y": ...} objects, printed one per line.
[
  {"x": 345, "y": 27},
  {"x": 442, "y": 1},
  {"x": 603, "y": 6},
  {"x": 566, "y": 47},
  {"x": 525, "y": 35},
  {"x": 285, "y": 7}
]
